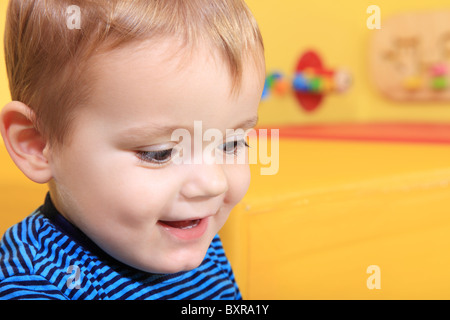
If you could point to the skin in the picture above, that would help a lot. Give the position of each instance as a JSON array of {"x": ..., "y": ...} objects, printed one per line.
[{"x": 99, "y": 180}]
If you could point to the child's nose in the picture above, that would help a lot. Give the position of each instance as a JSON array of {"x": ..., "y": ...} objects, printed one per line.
[{"x": 205, "y": 180}]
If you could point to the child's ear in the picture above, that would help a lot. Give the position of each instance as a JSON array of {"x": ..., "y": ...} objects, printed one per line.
[{"x": 24, "y": 143}]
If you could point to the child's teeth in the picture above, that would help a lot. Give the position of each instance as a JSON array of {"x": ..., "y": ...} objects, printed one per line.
[
  {"x": 186, "y": 224},
  {"x": 193, "y": 224}
]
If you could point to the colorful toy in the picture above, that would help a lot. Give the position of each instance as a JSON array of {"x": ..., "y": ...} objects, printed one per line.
[
  {"x": 276, "y": 83},
  {"x": 439, "y": 69},
  {"x": 413, "y": 83},
  {"x": 310, "y": 83},
  {"x": 439, "y": 83},
  {"x": 439, "y": 77}
]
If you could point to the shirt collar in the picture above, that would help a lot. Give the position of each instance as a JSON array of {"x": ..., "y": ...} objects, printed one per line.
[{"x": 63, "y": 225}]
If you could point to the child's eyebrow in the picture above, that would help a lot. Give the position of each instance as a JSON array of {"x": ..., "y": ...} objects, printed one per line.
[
  {"x": 148, "y": 131},
  {"x": 247, "y": 124},
  {"x": 164, "y": 130}
]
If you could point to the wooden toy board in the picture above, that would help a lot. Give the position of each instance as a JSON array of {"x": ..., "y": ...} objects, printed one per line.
[{"x": 410, "y": 56}]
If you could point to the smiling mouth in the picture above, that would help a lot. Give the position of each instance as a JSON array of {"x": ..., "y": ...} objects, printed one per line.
[
  {"x": 186, "y": 230},
  {"x": 183, "y": 225}
]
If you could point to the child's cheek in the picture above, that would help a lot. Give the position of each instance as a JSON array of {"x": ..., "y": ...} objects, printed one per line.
[{"x": 239, "y": 182}]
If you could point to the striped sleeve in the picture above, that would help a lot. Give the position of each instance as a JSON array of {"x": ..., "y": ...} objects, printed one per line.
[{"x": 29, "y": 287}]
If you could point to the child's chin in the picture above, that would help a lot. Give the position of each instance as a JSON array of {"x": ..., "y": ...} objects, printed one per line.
[
  {"x": 183, "y": 265},
  {"x": 173, "y": 266}
]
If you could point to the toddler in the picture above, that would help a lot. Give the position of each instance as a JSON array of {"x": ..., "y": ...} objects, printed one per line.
[{"x": 98, "y": 88}]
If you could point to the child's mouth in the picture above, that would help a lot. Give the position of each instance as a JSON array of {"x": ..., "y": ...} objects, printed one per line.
[
  {"x": 185, "y": 229},
  {"x": 186, "y": 224}
]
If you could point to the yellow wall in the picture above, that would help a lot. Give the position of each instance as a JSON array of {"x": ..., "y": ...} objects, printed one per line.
[{"x": 338, "y": 31}]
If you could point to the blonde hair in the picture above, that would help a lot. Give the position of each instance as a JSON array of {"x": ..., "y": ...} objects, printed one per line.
[{"x": 47, "y": 62}]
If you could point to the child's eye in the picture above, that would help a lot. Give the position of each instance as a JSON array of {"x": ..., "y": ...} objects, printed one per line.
[
  {"x": 159, "y": 157},
  {"x": 162, "y": 157},
  {"x": 233, "y": 147}
]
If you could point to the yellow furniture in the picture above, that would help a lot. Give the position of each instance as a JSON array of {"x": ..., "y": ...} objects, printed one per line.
[{"x": 334, "y": 209}]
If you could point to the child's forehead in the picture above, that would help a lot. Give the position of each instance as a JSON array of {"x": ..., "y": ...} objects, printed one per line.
[
  {"x": 165, "y": 55},
  {"x": 164, "y": 59},
  {"x": 164, "y": 66},
  {"x": 161, "y": 84},
  {"x": 162, "y": 76}
]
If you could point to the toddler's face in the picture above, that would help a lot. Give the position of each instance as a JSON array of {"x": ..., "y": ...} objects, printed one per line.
[{"x": 115, "y": 181}]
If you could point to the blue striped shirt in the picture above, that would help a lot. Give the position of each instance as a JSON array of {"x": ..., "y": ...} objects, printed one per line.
[{"x": 46, "y": 257}]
